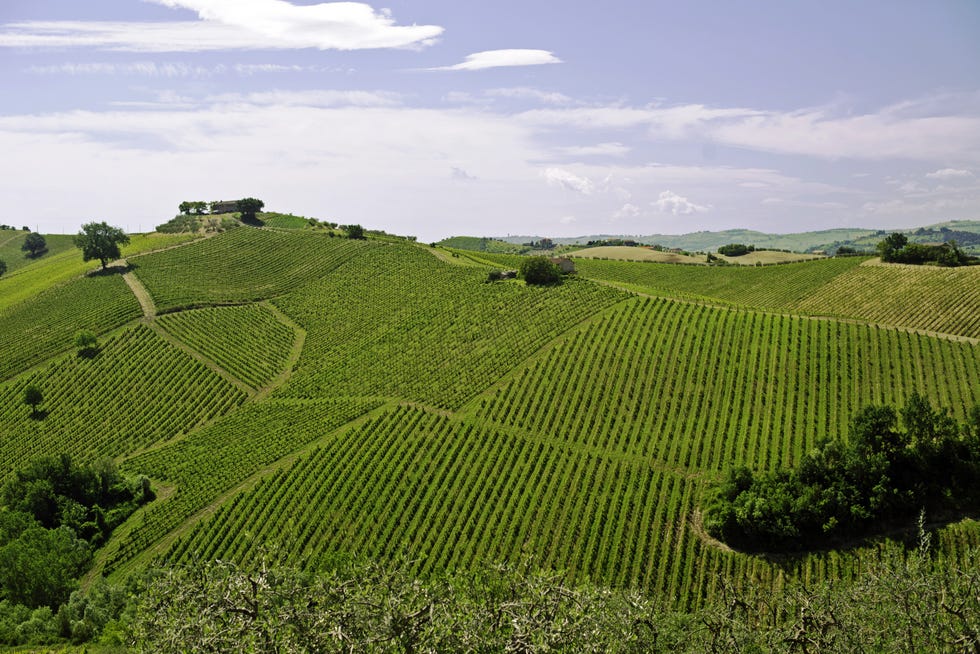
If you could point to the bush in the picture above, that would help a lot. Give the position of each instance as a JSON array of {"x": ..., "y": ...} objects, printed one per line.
[
  {"x": 735, "y": 249},
  {"x": 540, "y": 271}
]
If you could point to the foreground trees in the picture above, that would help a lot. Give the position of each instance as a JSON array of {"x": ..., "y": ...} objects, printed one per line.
[
  {"x": 879, "y": 479},
  {"x": 540, "y": 271},
  {"x": 100, "y": 241}
]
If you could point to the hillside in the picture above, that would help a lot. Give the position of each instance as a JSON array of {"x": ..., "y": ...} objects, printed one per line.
[
  {"x": 376, "y": 398},
  {"x": 966, "y": 232}
]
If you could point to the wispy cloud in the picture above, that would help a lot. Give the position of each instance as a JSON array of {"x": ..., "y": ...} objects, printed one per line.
[
  {"x": 171, "y": 70},
  {"x": 500, "y": 58},
  {"x": 231, "y": 25},
  {"x": 949, "y": 173},
  {"x": 599, "y": 149}
]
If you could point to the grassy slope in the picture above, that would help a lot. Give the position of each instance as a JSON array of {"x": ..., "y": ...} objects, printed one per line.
[
  {"x": 623, "y": 253},
  {"x": 15, "y": 258}
]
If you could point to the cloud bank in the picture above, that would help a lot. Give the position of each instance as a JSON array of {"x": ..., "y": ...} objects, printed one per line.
[
  {"x": 501, "y": 58},
  {"x": 231, "y": 25}
]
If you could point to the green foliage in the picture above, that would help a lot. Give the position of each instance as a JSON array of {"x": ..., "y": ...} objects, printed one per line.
[
  {"x": 100, "y": 241},
  {"x": 197, "y": 208},
  {"x": 540, "y": 271},
  {"x": 735, "y": 249},
  {"x": 840, "y": 492},
  {"x": 898, "y": 604},
  {"x": 354, "y": 231},
  {"x": 249, "y": 207},
  {"x": 33, "y": 397},
  {"x": 52, "y": 513},
  {"x": 896, "y": 248},
  {"x": 87, "y": 343},
  {"x": 34, "y": 244},
  {"x": 193, "y": 223},
  {"x": 3, "y": 266}
]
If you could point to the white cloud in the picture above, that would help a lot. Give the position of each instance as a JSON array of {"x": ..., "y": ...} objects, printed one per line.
[
  {"x": 949, "y": 173},
  {"x": 599, "y": 149},
  {"x": 461, "y": 174},
  {"x": 568, "y": 180},
  {"x": 628, "y": 210},
  {"x": 526, "y": 93},
  {"x": 670, "y": 202},
  {"x": 500, "y": 58},
  {"x": 231, "y": 24},
  {"x": 567, "y": 220},
  {"x": 171, "y": 70}
]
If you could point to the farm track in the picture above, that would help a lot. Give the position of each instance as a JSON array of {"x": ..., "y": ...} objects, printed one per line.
[{"x": 142, "y": 295}]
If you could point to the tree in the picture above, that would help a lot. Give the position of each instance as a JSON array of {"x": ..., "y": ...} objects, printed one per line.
[
  {"x": 33, "y": 397},
  {"x": 354, "y": 231},
  {"x": 87, "y": 343},
  {"x": 892, "y": 244},
  {"x": 3, "y": 266},
  {"x": 540, "y": 271},
  {"x": 100, "y": 241},
  {"x": 34, "y": 244},
  {"x": 248, "y": 207}
]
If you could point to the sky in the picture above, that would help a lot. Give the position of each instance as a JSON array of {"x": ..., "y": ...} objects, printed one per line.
[{"x": 436, "y": 118}]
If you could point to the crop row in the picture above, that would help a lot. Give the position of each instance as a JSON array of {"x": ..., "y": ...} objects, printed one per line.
[
  {"x": 46, "y": 324},
  {"x": 247, "y": 341},
  {"x": 446, "y": 494},
  {"x": 397, "y": 322},
  {"x": 945, "y": 300},
  {"x": 703, "y": 388},
  {"x": 138, "y": 390},
  {"x": 212, "y": 460},
  {"x": 775, "y": 287},
  {"x": 242, "y": 265},
  {"x": 449, "y": 494}
]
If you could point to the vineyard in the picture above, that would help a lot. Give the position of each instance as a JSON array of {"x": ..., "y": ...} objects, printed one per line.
[
  {"x": 248, "y": 341},
  {"x": 369, "y": 399},
  {"x": 242, "y": 265}
]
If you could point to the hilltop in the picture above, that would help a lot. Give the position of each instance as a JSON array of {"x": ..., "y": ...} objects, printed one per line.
[{"x": 377, "y": 398}]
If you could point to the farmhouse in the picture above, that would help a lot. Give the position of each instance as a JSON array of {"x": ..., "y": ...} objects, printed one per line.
[
  {"x": 564, "y": 264},
  {"x": 223, "y": 206}
]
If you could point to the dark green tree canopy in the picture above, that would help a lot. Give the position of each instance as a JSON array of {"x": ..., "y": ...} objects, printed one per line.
[
  {"x": 34, "y": 244},
  {"x": 248, "y": 207},
  {"x": 354, "y": 231},
  {"x": 33, "y": 397},
  {"x": 100, "y": 241},
  {"x": 3, "y": 266},
  {"x": 540, "y": 271}
]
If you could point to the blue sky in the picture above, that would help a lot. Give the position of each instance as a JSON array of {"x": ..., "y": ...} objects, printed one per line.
[{"x": 437, "y": 118}]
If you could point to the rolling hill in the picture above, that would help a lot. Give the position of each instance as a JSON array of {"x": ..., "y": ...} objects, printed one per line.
[{"x": 376, "y": 398}]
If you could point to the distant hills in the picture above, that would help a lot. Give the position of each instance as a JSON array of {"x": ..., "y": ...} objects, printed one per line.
[{"x": 965, "y": 232}]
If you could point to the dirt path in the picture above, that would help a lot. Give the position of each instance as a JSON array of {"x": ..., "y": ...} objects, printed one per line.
[
  {"x": 299, "y": 340},
  {"x": 145, "y": 300}
]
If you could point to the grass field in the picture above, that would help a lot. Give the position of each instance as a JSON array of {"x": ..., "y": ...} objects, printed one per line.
[
  {"x": 623, "y": 253},
  {"x": 369, "y": 399},
  {"x": 769, "y": 257}
]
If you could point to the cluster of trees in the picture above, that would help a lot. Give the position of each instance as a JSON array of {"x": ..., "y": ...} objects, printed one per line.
[
  {"x": 543, "y": 244},
  {"x": 616, "y": 241},
  {"x": 354, "y": 231},
  {"x": 53, "y": 514},
  {"x": 14, "y": 229},
  {"x": 881, "y": 478},
  {"x": 735, "y": 249},
  {"x": 248, "y": 207},
  {"x": 896, "y": 248},
  {"x": 540, "y": 271}
]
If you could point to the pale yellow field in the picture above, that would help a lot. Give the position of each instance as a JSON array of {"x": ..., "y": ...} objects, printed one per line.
[
  {"x": 626, "y": 253},
  {"x": 766, "y": 256}
]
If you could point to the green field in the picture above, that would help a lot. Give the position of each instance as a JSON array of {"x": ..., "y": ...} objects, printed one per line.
[{"x": 370, "y": 399}]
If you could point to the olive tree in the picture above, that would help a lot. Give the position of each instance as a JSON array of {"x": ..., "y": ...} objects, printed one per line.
[{"x": 100, "y": 241}]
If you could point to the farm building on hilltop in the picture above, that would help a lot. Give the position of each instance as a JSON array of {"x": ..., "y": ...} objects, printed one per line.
[{"x": 222, "y": 206}]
